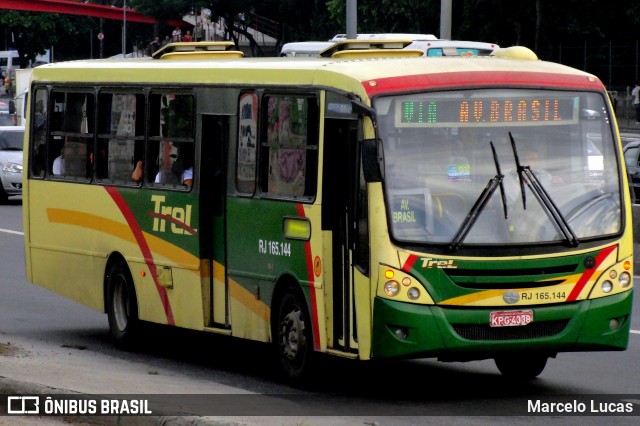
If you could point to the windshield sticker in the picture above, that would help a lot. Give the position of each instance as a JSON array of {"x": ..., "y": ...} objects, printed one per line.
[{"x": 459, "y": 172}]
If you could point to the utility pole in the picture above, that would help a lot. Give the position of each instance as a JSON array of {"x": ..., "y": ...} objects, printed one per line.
[
  {"x": 352, "y": 19},
  {"x": 124, "y": 28},
  {"x": 445, "y": 19},
  {"x": 195, "y": 21}
]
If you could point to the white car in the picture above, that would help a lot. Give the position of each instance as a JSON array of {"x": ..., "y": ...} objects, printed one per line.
[{"x": 11, "y": 139}]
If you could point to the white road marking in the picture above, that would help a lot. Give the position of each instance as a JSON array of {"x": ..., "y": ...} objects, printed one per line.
[{"x": 9, "y": 231}]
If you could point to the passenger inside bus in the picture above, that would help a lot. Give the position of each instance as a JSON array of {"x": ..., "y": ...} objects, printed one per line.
[
  {"x": 58, "y": 165},
  {"x": 75, "y": 159},
  {"x": 181, "y": 166},
  {"x": 138, "y": 172},
  {"x": 186, "y": 178}
]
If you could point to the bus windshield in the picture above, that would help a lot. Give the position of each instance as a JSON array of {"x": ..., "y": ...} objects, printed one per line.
[{"x": 451, "y": 163}]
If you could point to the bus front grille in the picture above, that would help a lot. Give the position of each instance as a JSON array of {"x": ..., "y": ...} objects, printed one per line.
[
  {"x": 534, "y": 330},
  {"x": 494, "y": 279}
]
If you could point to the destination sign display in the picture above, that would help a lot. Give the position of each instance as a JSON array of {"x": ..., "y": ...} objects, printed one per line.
[{"x": 487, "y": 111}]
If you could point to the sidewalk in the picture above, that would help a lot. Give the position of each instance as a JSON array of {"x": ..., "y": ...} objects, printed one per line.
[
  {"x": 30, "y": 367},
  {"x": 33, "y": 368}
]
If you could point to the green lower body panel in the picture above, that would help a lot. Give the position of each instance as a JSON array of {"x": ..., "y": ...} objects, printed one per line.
[{"x": 462, "y": 333}]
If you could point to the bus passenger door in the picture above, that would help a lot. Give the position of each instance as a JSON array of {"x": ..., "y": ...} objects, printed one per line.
[
  {"x": 213, "y": 210},
  {"x": 338, "y": 216}
]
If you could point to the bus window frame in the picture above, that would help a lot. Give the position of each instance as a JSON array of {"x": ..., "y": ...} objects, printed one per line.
[{"x": 92, "y": 138}]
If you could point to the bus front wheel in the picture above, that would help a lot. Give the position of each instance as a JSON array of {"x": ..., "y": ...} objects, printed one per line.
[
  {"x": 293, "y": 338},
  {"x": 526, "y": 367},
  {"x": 122, "y": 305}
]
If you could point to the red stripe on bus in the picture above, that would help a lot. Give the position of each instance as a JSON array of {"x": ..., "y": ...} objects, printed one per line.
[
  {"x": 588, "y": 273},
  {"x": 144, "y": 248},
  {"x": 479, "y": 79},
  {"x": 312, "y": 288},
  {"x": 408, "y": 265},
  {"x": 173, "y": 220}
]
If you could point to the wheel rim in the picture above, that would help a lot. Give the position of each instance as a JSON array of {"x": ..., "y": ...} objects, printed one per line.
[
  {"x": 121, "y": 305},
  {"x": 292, "y": 339}
]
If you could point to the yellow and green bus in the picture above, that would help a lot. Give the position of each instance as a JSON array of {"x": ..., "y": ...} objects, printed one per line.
[{"x": 369, "y": 205}]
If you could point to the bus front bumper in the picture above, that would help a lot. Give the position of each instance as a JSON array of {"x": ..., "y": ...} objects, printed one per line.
[{"x": 462, "y": 333}]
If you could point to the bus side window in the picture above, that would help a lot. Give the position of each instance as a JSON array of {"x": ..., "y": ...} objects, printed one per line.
[
  {"x": 73, "y": 124},
  {"x": 121, "y": 136},
  {"x": 247, "y": 143},
  {"x": 289, "y": 160},
  {"x": 170, "y": 149}
]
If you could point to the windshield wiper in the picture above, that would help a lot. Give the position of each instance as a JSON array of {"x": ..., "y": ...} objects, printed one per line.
[
  {"x": 494, "y": 183},
  {"x": 525, "y": 174}
]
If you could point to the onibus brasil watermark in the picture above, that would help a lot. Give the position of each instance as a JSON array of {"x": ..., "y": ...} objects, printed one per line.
[{"x": 47, "y": 405}]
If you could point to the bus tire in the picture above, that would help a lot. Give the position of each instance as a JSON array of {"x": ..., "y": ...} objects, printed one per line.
[
  {"x": 122, "y": 305},
  {"x": 526, "y": 367},
  {"x": 293, "y": 338}
]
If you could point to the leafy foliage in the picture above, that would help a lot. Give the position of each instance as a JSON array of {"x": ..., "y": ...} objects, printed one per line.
[
  {"x": 33, "y": 33},
  {"x": 162, "y": 10},
  {"x": 389, "y": 16}
]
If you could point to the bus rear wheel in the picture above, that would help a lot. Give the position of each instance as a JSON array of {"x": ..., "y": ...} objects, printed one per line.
[
  {"x": 122, "y": 305},
  {"x": 526, "y": 367},
  {"x": 293, "y": 341}
]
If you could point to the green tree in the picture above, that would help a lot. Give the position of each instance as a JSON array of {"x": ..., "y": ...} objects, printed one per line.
[
  {"x": 32, "y": 33},
  {"x": 301, "y": 20},
  {"x": 390, "y": 16},
  {"x": 162, "y": 10}
]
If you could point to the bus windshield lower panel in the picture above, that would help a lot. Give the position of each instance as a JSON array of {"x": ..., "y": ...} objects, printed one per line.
[{"x": 452, "y": 175}]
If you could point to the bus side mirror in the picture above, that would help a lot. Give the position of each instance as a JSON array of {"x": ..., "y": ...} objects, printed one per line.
[
  {"x": 12, "y": 106},
  {"x": 372, "y": 160}
]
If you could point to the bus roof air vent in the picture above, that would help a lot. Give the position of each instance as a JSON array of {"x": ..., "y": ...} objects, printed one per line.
[
  {"x": 198, "y": 50},
  {"x": 515, "y": 52},
  {"x": 352, "y": 49}
]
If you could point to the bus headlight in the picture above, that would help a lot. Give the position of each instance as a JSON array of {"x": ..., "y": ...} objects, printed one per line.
[
  {"x": 606, "y": 286},
  {"x": 391, "y": 288},
  {"x": 624, "y": 279},
  {"x": 413, "y": 293}
]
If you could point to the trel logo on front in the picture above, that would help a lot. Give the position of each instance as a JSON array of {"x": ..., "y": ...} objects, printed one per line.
[{"x": 430, "y": 262}]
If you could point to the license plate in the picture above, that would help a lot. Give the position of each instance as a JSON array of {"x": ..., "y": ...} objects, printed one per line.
[{"x": 510, "y": 318}]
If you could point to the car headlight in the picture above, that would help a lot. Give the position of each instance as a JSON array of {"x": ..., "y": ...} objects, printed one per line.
[{"x": 12, "y": 168}]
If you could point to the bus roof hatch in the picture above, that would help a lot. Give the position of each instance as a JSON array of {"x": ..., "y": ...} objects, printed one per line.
[
  {"x": 198, "y": 50},
  {"x": 371, "y": 49}
]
